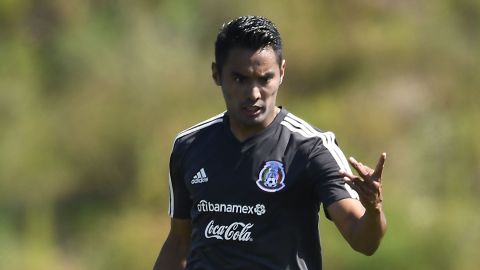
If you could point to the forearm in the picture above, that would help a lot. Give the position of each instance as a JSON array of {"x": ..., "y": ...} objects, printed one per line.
[
  {"x": 172, "y": 255},
  {"x": 367, "y": 232}
]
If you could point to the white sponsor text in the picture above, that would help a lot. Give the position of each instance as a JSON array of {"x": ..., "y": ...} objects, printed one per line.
[
  {"x": 237, "y": 231},
  {"x": 205, "y": 206}
]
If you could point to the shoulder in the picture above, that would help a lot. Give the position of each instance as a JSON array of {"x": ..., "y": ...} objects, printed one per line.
[
  {"x": 190, "y": 134},
  {"x": 322, "y": 145},
  {"x": 302, "y": 130}
]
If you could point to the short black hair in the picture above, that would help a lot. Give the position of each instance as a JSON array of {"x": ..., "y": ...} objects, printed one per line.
[{"x": 249, "y": 32}]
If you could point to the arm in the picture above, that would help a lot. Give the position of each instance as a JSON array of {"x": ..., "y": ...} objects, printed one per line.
[
  {"x": 362, "y": 229},
  {"x": 175, "y": 249},
  {"x": 362, "y": 223}
]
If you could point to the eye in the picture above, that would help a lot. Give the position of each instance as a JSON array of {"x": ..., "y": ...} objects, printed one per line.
[
  {"x": 265, "y": 79},
  {"x": 238, "y": 78}
]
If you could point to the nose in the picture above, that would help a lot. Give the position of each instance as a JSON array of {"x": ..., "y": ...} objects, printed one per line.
[{"x": 254, "y": 92}]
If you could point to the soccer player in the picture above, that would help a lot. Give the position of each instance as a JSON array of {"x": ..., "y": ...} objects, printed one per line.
[{"x": 246, "y": 185}]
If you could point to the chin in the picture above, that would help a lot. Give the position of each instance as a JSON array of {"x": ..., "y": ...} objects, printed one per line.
[{"x": 257, "y": 121}]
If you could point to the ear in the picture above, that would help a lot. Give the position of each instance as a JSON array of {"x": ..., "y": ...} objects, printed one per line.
[
  {"x": 282, "y": 70},
  {"x": 216, "y": 74}
]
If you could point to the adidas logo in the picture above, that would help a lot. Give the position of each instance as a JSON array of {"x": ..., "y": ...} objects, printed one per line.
[{"x": 200, "y": 177}]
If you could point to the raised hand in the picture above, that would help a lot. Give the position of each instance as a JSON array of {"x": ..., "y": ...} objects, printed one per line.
[{"x": 368, "y": 184}]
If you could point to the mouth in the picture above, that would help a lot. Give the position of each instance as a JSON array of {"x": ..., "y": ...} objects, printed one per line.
[{"x": 252, "y": 111}]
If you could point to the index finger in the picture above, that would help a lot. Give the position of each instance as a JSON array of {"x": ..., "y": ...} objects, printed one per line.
[{"x": 377, "y": 174}]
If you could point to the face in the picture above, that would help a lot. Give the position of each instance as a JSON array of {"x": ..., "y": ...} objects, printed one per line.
[{"x": 250, "y": 81}]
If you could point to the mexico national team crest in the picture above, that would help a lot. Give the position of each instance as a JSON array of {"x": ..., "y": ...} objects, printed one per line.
[{"x": 271, "y": 176}]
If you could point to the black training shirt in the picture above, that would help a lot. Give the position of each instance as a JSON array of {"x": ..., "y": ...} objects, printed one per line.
[{"x": 254, "y": 204}]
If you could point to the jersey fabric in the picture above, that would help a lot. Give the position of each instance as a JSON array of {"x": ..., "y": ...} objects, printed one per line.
[{"x": 254, "y": 204}]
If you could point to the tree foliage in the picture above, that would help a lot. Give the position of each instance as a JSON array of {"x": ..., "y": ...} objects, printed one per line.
[{"x": 92, "y": 94}]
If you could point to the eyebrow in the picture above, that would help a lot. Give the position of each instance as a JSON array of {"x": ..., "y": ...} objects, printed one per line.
[
  {"x": 268, "y": 74},
  {"x": 238, "y": 74}
]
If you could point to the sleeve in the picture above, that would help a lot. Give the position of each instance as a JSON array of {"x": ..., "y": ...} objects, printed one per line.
[
  {"x": 325, "y": 161},
  {"x": 180, "y": 202}
]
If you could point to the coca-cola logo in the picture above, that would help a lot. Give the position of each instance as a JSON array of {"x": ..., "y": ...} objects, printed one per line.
[{"x": 237, "y": 231}]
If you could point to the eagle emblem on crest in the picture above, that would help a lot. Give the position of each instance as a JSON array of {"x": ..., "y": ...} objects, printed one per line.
[{"x": 271, "y": 177}]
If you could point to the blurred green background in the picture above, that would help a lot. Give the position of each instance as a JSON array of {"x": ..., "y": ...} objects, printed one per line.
[{"x": 92, "y": 94}]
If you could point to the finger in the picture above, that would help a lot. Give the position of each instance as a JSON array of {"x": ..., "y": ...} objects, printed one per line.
[
  {"x": 351, "y": 177},
  {"x": 354, "y": 180},
  {"x": 347, "y": 174},
  {"x": 368, "y": 187},
  {"x": 377, "y": 174},
  {"x": 363, "y": 170},
  {"x": 371, "y": 188}
]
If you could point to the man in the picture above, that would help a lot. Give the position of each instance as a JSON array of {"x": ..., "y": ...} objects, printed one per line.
[{"x": 246, "y": 186}]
